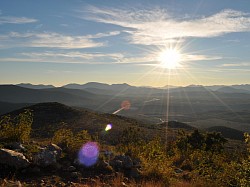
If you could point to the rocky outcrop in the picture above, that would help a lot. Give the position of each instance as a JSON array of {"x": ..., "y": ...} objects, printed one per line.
[
  {"x": 13, "y": 159},
  {"x": 47, "y": 156},
  {"x": 11, "y": 183},
  {"x": 56, "y": 149},
  {"x": 16, "y": 146},
  {"x": 127, "y": 164},
  {"x": 122, "y": 162}
]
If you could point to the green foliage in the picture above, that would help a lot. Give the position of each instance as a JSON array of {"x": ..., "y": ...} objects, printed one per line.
[
  {"x": 202, "y": 155},
  {"x": 152, "y": 153},
  {"x": 69, "y": 141},
  {"x": 247, "y": 140},
  {"x": 243, "y": 168},
  {"x": 196, "y": 140},
  {"x": 129, "y": 140},
  {"x": 17, "y": 129},
  {"x": 131, "y": 135},
  {"x": 156, "y": 163},
  {"x": 25, "y": 121},
  {"x": 63, "y": 137},
  {"x": 210, "y": 141},
  {"x": 214, "y": 141}
]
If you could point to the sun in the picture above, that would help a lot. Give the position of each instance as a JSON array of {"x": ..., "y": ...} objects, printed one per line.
[{"x": 169, "y": 58}]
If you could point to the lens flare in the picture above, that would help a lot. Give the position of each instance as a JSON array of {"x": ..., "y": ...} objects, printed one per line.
[
  {"x": 108, "y": 127},
  {"x": 126, "y": 105},
  {"x": 88, "y": 154}
]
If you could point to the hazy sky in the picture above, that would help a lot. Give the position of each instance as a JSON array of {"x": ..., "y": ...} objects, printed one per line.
[{"x": 61, "y": 41}]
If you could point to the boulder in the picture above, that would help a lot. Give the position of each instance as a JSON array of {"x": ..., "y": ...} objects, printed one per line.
[
  {"x": 13, "y": 159},
  {"x": 75, "y": 175},
  {"x": 76, "y": 162},
  {"x": 47, "y": 156},
  {"x": 116, "y": 164},
  {"x": 137, "y": 163},
  {"x": 17, "y": 146},
  {"x": 127, "y": 162},
  {"x": 123, "y": 184},
  {"x": 71, "y": 168},
  {"x": 121, "y": 162},
  {"x": 34, "y": 170},
  {"x": 55, "y": 148},
  {"x": 10, "y": 183},
  {"x": 178, "y": 170}
]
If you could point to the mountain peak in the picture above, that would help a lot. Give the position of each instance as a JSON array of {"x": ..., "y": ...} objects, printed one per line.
[
  {"x": 35, "y": 86},
  {"x": 194, "y": 85}
]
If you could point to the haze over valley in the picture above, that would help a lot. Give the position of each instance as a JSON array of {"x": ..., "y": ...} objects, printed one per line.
[{"x": 199, "y": 106}]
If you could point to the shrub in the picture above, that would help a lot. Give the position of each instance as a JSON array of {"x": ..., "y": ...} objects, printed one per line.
[
  {"x": 129, "y": 141},
  {"x": 243, "y": 168},
  {"x": 69, "y": 141},
  {"x": 16, "y": 129},
  {"x": 152, "y": 153}
]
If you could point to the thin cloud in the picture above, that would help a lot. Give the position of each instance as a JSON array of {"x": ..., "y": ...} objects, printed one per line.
[
  {"x": 65, "y": 57},
  {"x": 189, "y": 57},
  {"x": 236, "y": 64},
  {"x": 52, "y": 40},
  {"x": 46, "y": 60},
  {"x": 80, "y": 57},
  {"x": 157, "y": 26},
  {"x": 97, "y": 58},
  {"x": 101, "y": 35},
  {"x": 136, "y": 60},
  {"x": 73, "y": 55},
  {"x": 16, "y": 20}
]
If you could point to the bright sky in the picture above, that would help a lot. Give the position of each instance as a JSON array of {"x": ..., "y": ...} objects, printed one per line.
[{"x": 61, "y": 41}]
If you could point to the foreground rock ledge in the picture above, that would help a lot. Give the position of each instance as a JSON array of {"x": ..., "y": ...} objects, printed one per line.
[{"x": 13, "y": 159}]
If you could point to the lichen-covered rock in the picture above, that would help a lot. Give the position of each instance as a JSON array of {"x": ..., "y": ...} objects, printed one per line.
[
  {"x": 178, "y": 170},
  {"x": 55, "y": 148},
  {"x": 16, "y": 146},
  {"x": 14, "y": 159},
  {"x": 75, "y": 175},
  {"x": 127, "y": 162},
  {"x": 10, "y": 183},
  {"x": 117, "y": 164},
  {"x": 122, "y": 162},
  {"x": 47, "y": 156},
  {"x": 71, "y": 168}
]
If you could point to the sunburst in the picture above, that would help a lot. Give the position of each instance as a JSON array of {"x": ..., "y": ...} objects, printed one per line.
[{"x": 169, "y": 58}]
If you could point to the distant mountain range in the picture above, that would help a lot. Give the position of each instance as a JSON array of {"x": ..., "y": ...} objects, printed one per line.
[
  {"x": 32, "y": 86},
  {"x": 99, "y": 85},
  {"x": 108, "y": 89},
  {"x": 197, "y": 105},
  {"x": 231, "y": 89},
  {"x": 108, "y": 98},
  {"x": 15, "y": 96}
]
